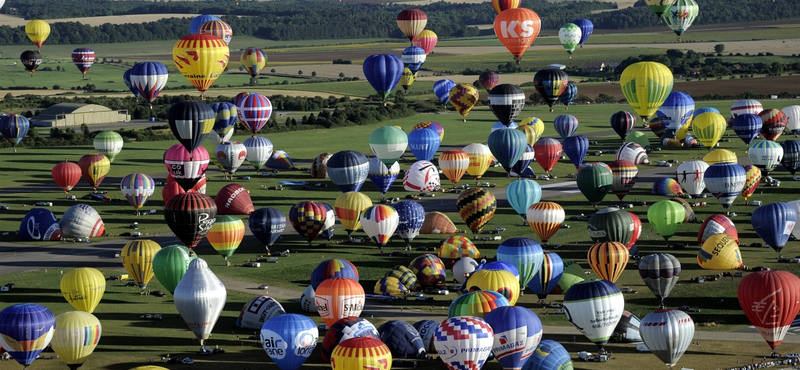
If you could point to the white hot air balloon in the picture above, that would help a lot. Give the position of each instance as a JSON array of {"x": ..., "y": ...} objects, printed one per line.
[
  {"x": 595, "y": 307},
  {"x": 463, "y": 342},
  {"x": 463, "y": 267},
  {"x": 792, "y": 114},
  {"x": 667, "y": 333},
  {"x": 257, "y": 311},
  {"x": 765, "y": 154},
  {"x": 633, "y": 153},
  {"x": 750, "y": 106},
  {"x": 379, "y": 223},
  {"x": 81, "y": 221},
  {"x": 307, "y": 302},
  {"x": 690, "y": 175},
  {"x": 109, "y": 143},
  {"x": 259, "y": 149},
  {"x": 200, "y": 297},
  {"x": 230, "y": 155},
  {"x": 422, "y": 176}
]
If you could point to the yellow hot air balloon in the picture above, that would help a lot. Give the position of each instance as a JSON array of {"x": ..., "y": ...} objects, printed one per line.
[
  {"x": 463, "y": 97},
  {"x": 708, "y": 128},
  {"x": 646, "y": 85},
  {"x": 349, "y": 207},
  {"x": 137, "y": 257},
  {"x": 37, "y": 31},
  {"x": 407, "y": 79},
  {"x": 530, "y": 133},
  {"x": 83, "y": 288},
  {"x": 500, "y": 281},
  {"x": 480, "y": 157},
  {"x": 720, "y": 252},
  {"x": 201, "y": 58},
  {"x": 720, "y": 156},
  {"x": 76, "y": 336}
]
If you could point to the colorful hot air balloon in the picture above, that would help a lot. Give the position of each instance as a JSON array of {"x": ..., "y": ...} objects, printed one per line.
[
  {"x": 337, "y": 298},
  {"x": 379, "y": 223},
  {"x": 765, "y": 154},
  {"x": 708, "y": 128},
  {"x": 225, "y": 235},
  {"x": 774, "y": 223},
  {"x": 646, "y": 86},
  {"x": 201, "y": 58},
  {"x": 525, "y": 254},
  {"x": 194, "y": 25},
  {"x": 792, "y": 114},
  {"x": 413, "y": 57},
  {"x": 565, "y": 125},
  {"x": 569, "y": 94},
  {"x": 463, "y": 97},
  {"x": 546, "y": 278},
  {"x": 691, "y": 176},
  {"x": 66, "y": 175},
  {"x": 349, "y": 206},
  {"x": 383, "y": 72},
  {"x": 667, "y": 186},
  {"x": 83, "y": 288},
  {"x": 717, "y": 224},
  {"x": 224, "y": 122},
  {"x": 94, "y": 168},
  {"x": 477, "y": 303},
  {"x": 586, "y": 26},
  {"x": 108, "y": 143},
  {"x": 517, "y": 332},
  {"x": 254, "y": 111},
  {"x": 720, "y": 156},
  {"x": 137, "y": 188},
  {"x": 259, "y": 150},
  {"x": 75, "y": 337},
  {"x": 137, "y": 258},
  {"x": 547, "y": 153},
  {"x": 680, "y": 16},
  {"x": 594, "y": 182},
  {"x": 170, "y": 264},
  {"x": 348, "y": 169},
  {"x": 308, "y": 218},
  {"x": 517, "y": 29},
  {"x": 746, "y": 106},
  {"x": 725, "y": 181},
  {"x": 126, "y": 78},
  {"x": 279, "y": 160},
  {"x": 501, "y": 5},
  {"x": 476, "y": 207},
  {"x": 677, "y": 110},
  {"x": 458, "y": 246},
  {"x": 666, "y": 216},
  {"x": 545, "y": 219},
  {"x": 523, "y": 193},
  {"x": 81, "y": 221},
  {"x": 186, "y": 168},
  {"x": 667, "y": 334},
  {"x": 26, "y": 329},
  {"x": 720, "y": 252},
  {"x": 624, "y": 174},
  {"x": 479, "y": 159},
  {"x": 506, "y": 101},
  {"x": 14, "y": 128},
  {"x": 608, "y": 260},
  {"x": 381, "y": 175},
  {"x": 344, "y": 329},
  {"x": 230, "y": 155},
  {"x": 426, "y": 40},
  {"x": 430, "y": 271},
  {"x": 253, "y": 60},
  {"x": 233, "y": 199},
  {"x": 217, "y": 28},
  {"x": 190, "y": 216},
  {"x": 594, "y": 307},
  {"x": 771, "y": 301},
  {"x": 319, "y": 167},
  {"x": 454, "y": 164},
  {"x": 289, "y": 340},
  {"x": 751, "y": 183},
  {"x": 37, "y": 31},
  {"x": 773, "y": 123},
  {"x": 199, "y": 298},
  {"x": 83, "y": 59},
  {"x": 411, "y": 22},
  {"x": 149, "y": 78},
  {"x": 333, "y": 268},
  {"x": 361, "y": 353},
  {"x": 569, "y": 36},
  {"x": 442, "y": 89},
  {"x": 550, "y": 83}
]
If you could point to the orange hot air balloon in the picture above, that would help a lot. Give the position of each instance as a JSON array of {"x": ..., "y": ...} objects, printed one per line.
[
  {"x": 66, "y": 175},
  {"x": 545, "y": 219},
  {"x": 337, "y": 298},
  {"x": 608, "y": 260},
  {"x": 517, "y": 28},
  {"x": 454, "y": 164},
  {"x": 411, "y": 22},
  {"x": 437, "y": 223},
  {"x": 501, "y": 5}
]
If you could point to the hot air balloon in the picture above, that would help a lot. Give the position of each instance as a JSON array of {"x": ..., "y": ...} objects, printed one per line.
[
  {"x": 608, "y": 260},
  {"x": 233, "y": 199},
  {"x": 254, "y": 111},
  {"x": 404, "y": 275},
  {"x": 39, "y": 224},
  {"x": 463, "y": 97},
  {"x": 477, "y": 303},
  {"x": 725, "y": 181},
  {"x": 94, "y": 168},
  {"x": 691, "y": 176},
  {"x": 361, "y": 353},
  {"x": 765, "y": 154},
  {"x": 199, "y": 298},
  {"x": 253, "y": 60},
  {"x": 137, "y": 258},
  {"x": 569, "y": 94},
  {"x": 225, "y": 235},
  {"x": 194, "y": 25},
  {"x": 633, "y": 153},
  {"x": 507, "y": 145},
  {"x": 31, "y": 59},
  {"x": 572, "y": 274},
  {"x": 576, "y": 147},
  {"x": 720, "y": 156},
  {"x": 656, "y": 125},
  {"x": 454, "y": 164},
  {"x": 337, "y": 298},
  {"x": 586, "y": 27},
  {"x": 667, "y": 186},
  {"x": 594, "y": 182},
  {"x": 279, "y": 160},
  {"x": 747, "y": 126},
  {"x": 348, "y": 169},
  {"x": 319, "y": 167},
  {"x": 570, "y": 37},
  {"x": 267, "y": 225},
  {"x": 66, "y": 175},
  {"x": 624, "y": 174},
  {"x": 708, "y": 128},
  {"x": 506, "y": 102},
  {"x": 402, "y": 339},
  {"x": 771, "y": 301},
  {"x": 83, "y": 58},
  {"x": 308, "y": 218},
  {"x": 390, "y": 286},
  {"x": 550, "y": 83},
  {"x": 442, "y": 89},
  {"x": 660, "y": 272},
  {"x": 437, "y": 223},
  {"x": 458, "y": 246},
  {"x": 426, "y": 40},
  {"x": 680, "y": 15},
  {"x": 170, "y": 264},
  {"x": 623, "y": 123},
  {"x": 383, "y": 72},
  {"x": 547, "y": 276},
  {"x": 81, "y": 221},
  {"x": 773, "y": 123},
  {"x": 523, "y": 193},
  {"x": 666, "y": 216},
  {"x": 126, "y": 78},
  {"x": 611, "y": 225},
  {"x": 201, "y": 58},
  {"x": 190, "y": 122},
  {"x": 517, "y": 332},
  {"x": 190, "y": 216},
  {"x": 422, "y": 176},
  {"x": 224, "y": 122},
  {"x": 430, "y": 271},
  {"x": 517, "y": 29},
  {"x": 289, "y": 340},
  {"x": 717, "y": 224},
  {"x": 525, "y": 254},
  {"x": 381, "y": 175},
  {"x": 751, "y": 183},
  {"x": 565, "y": 125},
  {"x": 549, "y": 355},
  {"x": 388, "y": 143},
  {"x": 410, "y": 216},
  {"x": 411, "y": 22},
  {"x": 667, "y": 334},
  {"x": 720, "y": 252},
  {"x": 774, "y": 223},
  {"x": 149, "y": 78},
  {"x": 746, "y": 106},
  {"x": 349, "y": 207},
  {"x": 257, "y": 311},
  {"x": 479, "y": 159},
  {"x": 413, "y": 57},
  {"x": 14, "y": 128},
  {"x": 676, "y": 110},
  {"x": 344, "y": 329},
  {"x": 217, "y": 28},
  {"x": 186, "y": 168},
  {"x": 137, "y": 188},
  {"x": 476, "y": 207},
  {"x": 594, "y": 307},
  {"x": 75, "y": 337},
  {"x": 26, "y": 329},
  {"x": 463, "y": 268},
  {"x": 108, "y": 143},
  {"x": 230, "y": 155},
  {"x": 545, "y": 219},
  {"x": 379, "y": 223},
  {"x": 83, "y": 288},
  {"x": 791, "y": 155},
  {"x": 37, "y": 31},
  {"x": 547, "y": 153},
  {"x": 488, "y": 80},
  {"x": 646, "y": 86},
  {"x": 423, "y": 144},
  {"x": 792, "y": 114}
]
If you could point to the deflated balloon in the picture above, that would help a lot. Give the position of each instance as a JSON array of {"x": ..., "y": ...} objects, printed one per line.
[
  {"x": 257, "y": 311},
  {"x": 39, "y": 224},
  {"x": 430, "y": 271},
  {"x": 720, "y": 252},
  {"x": 402, "y": 339}
]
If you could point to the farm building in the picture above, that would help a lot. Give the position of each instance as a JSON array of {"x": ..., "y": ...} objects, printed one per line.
[{"x": 73, "y": 114}]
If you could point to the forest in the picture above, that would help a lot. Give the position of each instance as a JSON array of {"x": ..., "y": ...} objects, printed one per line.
[{"x": 305, "y": 19}]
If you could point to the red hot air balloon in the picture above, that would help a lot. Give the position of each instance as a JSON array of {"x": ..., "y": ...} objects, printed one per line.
[
  {"x": 190, "y": 216},
  {"x": 489, "y": 79},
  {"x": 547, "y": 151},
  {"x": 66, "y": 175},
  {"x": 517, "y": 29},
  {"x": 426, "y": 40},
  {"x": 774, "y": 122},
  {"x": 94, "y": 168},
  {"x": 170, "y": 190},
  {"x": 234, "y": 199},
  {"x": 637, "y": 230},
  {"x": 83, "y": 59},
  {"x": 770, "y": 300},
  {"x": 308, "y": 218},
  {"x": 501, "y": 5},
  {"x": 411, "y": 22}
]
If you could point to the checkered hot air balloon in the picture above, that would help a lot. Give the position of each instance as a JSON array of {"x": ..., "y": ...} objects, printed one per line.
[
  {"x": 463, "y": 97},
  {"x": 463, "y": 342},
  {"x": 476, "y": 207},
  {"x": 308, "y": 218}
]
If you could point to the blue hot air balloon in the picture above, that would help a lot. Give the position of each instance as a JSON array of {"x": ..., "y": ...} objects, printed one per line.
[
  {"x": 791, "y": 155},
  {"x": 413, "y": 57},
  {"x": 549, "y": 355},
  {"x": 381, "y": 175},
  {"x": 424, "y": 144},
  {"x": 569, "y": 94},
  {"x": 267, "y": 224},
  {"x": 548, "y": 275},
  {"x": 566, "y": 125},
  {"x": 402, "y": 339},
  {"x": 523, "y": 193},
  {"x": 586, "y": 27},
  {"x": 513, "y": 346},
  {"x": 226, "y": 119},
  {"x": 725, "y": 181},
  {"x": 747, "y": 126},
  {"x": 700, "y": 111},
  {"x": 676, "y": 110},
  {"x": 289, "y": 339},
  {"x": 126, "y": 78},
  {"x": 39, "y": 224},
  {"x": 507, "y": 145},
  {"x": 25, "y": 330},
  {"x": 14, "y": 128},
  {"x": 383, "y": 71},
  {"x": 774, "y": 223},
  {"x": 330, "y": 222},
  {"x": 410, "y": 216},
  {"x": 522, "y": 167},
  {"x": 348, "y": 170},
  {"x": 525, "y": 254},
  {"x": 149, "y": 78},
  {"x": 442, "y": 89},
  {"x": 576, "y": 147},
  {"x": 194, "y": 25}
]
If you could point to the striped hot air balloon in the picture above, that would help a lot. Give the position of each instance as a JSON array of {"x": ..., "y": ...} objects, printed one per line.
[
  {"x": 379, "y": 223},
  {"x": 254, "y": 111},
  {"x": 308, "y": 218},
  {"x": 426, "y": 40},
  {"x": 361, "y": 353},
  {"x": 190, "y": 216},
  {"x": 454, "y": 164},
  {"x": 624, "y": 175},
  {"x": 137, "y": 188},
  {"x": 545, "y": 219},
  {"x": 547, "y": 276},
  {"x": 14, "y": 128},
  {"x": 476, "y": 207},
  {"x": 201, "y": 58},
  {"x": 225, "y": 235},
  {"x": 348, "y": 169},
  {"x": 477, "y": 303},
  {"x": 348, "y": 208},
  {"x": 480, "y": 157},
  {"x": 608, "y": 260},
  {"x": 253, "y": 60},
  {"x": 108, "y": 143},
  {"x": 411, "y": 22},
  {"x": 217, "y": 28},
  {"x": 623, "y": 123},
  {"x": 83, "y": 58}
]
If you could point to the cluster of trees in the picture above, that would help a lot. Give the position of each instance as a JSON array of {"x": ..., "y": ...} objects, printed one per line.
[{"x": 698, "y": 65}]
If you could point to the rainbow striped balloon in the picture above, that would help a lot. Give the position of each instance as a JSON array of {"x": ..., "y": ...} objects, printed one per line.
[
  {"x": 226, "y": 234},
  {"x": 217, "y": 28},
  {"x": 137, "y": 188}
]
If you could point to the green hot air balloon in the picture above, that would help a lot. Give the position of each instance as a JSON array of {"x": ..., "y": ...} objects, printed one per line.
[
  {"x": 594, "y": 181},
  {"x": 108, "y": 143},
  {"x": 573, "y": 274},
  {"x": 638, "y": 137},
  {"x": 388, "y": 143},
  {"x": 666, "y": 216},
  {"x": 570, "y": 36},
  {"x": 170, "y": 264},
  {"x": 611, "y": 225}
]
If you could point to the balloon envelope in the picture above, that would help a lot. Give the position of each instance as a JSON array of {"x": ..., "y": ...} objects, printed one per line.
[
  {"x": 646, "y": 85},
  {"x": 660, "y": 272},
  {"x": 83, "y": 288},
  {"x": 26, "y": 329},
  {"x": 771, "y": 301},
  {"x": 594, "y": 307},
  {"x": 667, "y": 333},
  {"x": 39, "y": 224},
  {"x": 199, "y": 298},
  {"x": 75, "y": 337},
  {"x": 289, "y": 339}
]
